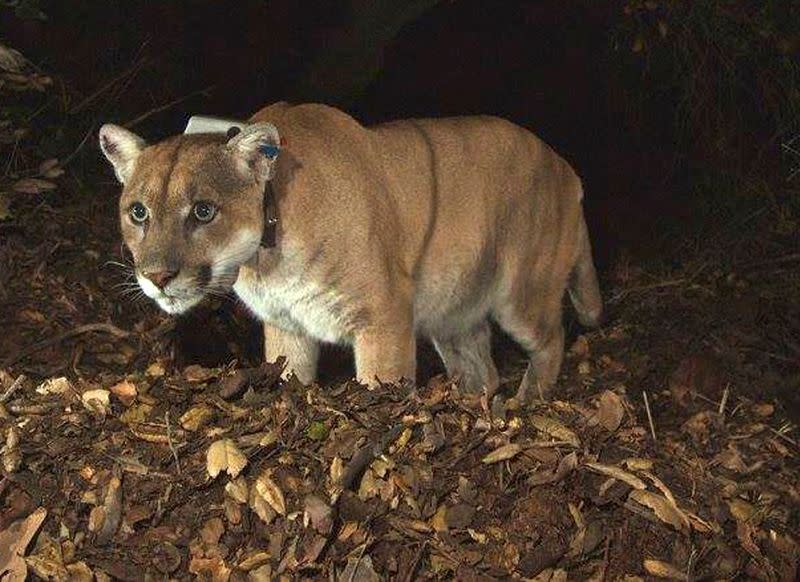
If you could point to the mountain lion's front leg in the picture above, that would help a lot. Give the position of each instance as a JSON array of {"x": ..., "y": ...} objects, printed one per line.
[
  {"x": 385, "y": 353},
  {"x": 301, "y": 352}
]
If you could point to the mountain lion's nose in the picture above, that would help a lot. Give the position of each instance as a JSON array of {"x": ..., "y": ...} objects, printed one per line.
[{"x": 161, "y": 278}]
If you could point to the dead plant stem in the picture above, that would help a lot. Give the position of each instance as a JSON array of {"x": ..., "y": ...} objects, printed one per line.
[{"x": 649, "y": 415}]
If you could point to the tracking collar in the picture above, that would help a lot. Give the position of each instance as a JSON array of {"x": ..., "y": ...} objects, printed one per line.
[{"x": 229, "y": 127}]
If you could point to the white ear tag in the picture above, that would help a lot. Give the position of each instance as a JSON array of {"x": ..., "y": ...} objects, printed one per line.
[{"x": 207, "y": 124}]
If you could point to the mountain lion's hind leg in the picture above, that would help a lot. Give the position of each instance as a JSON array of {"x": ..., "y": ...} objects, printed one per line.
[
  {"x": 301, "y": 352},
  {"x": 468, "y": 358},
  {"x": 541, "y": 333}
]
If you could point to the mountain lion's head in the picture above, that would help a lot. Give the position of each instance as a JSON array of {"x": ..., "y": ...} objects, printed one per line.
[{"x": 191, "y": 208}]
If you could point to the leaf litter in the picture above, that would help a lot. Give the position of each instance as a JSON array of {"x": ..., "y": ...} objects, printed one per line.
[{"x": 372, "y": 499}]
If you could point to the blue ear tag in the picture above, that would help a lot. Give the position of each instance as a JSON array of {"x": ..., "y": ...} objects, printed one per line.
[{"x": 269, "y": 150}]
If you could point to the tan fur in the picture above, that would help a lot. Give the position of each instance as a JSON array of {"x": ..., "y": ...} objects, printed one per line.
[{"x": 413, "y": 227}]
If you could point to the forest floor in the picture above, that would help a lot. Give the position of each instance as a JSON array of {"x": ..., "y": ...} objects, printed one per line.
[
  {"x": 115, "y": 416},
  {"x": 138, "y": 446}
]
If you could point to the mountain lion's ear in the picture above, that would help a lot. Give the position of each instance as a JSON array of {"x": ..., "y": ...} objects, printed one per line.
[
  {"x": 256, "y": 148},
  {"x": 121, "y": 147}
]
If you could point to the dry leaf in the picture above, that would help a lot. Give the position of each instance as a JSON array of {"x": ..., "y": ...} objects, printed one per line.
[
  {"x": 617, "y": 473},
  {"x": 699, "y": 425},
  {"x": 14, "y": 541},
  {"x": 763, "y": 410},
  {"x": 136, "y": 414},
  {"x": 253, "y": 561},
  {"x": 260, "y": 506},
  {"x": 269, "y": 438},
  {"x": 55, "y": 386},
  {"x": 731, "y": 459},
  {"x": 155, "y": 370},
  {"x": 700, "y": 524},
  {"x": 196, "y": 417},
  {"x": 741, "y": 510},
  {"x": 97, "y": 401},
  {"x": 211, "y": 531},
  {"x": 555, "y": 429},
  {"x": 459, "y": 516},
  {"x": 12, "y": 457},
  {"x": 261, "y": 574},
  {"x": 610, "y": 411},
  {"x": 638, "y": 464},
  {"x": 661, "y": 569},
  {"x": 126, "y": 391},
  {"x": 272, "y": 494},
  {"x": 97, "y": 517},
  {"x": 566, "y": 465},
  {"x": 232, "y": 510},
  {"x": 197, "y": 374},
  {"x": 402, "y": 440},
  {"x": 318, "y": 514},
  {"x": 79, "y": 572},
  {"x": 112, "y": 507},
  {"x": 503, "y": 453},
  {"x": 359, "y": 570},
  {"x": 663, "y": 509},
  {"x": 50, "y": 168},
  {"x": 439, "y": 519},
  {"x": 586, "y": 539},
  {"x": 212, "y": 569},
  {"x": 237, "y": 489},
  {"x": 48, "y": 562},
  {"x": 369, "y": 486},
  {"x": 661, "y": 487},
  {"x": 337, "y": 469},
  {"x": 224, "y": 455}
]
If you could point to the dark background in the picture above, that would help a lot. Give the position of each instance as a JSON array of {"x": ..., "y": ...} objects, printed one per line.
[{"x": 672, "y": 112}]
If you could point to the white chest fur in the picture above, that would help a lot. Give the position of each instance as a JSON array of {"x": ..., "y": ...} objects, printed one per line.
[{"x": 296, "y": 305}]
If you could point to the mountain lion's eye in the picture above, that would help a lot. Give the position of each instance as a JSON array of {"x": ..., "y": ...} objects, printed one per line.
[
  {"x": 204, "y": 211},
  {"x": 138, "y": 212}
]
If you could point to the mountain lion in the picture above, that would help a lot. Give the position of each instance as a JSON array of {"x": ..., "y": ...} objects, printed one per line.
[{"x": 383, "y": 233}]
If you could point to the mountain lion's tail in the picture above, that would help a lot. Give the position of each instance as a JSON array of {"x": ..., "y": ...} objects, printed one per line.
[{"x": 584, "y": 290}]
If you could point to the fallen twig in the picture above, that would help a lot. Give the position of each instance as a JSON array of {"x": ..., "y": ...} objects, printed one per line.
[
  {"x": 171, "y": 444},
  {"x": 16, "y": 385},
  {"x": 723, "y": 401},
  {"x": 783, "y": 436},
  {"x": 108, "y": 328},
  {"x": 361, "y": 460},
  {"x": 409, "y": 576},
  {"x": 358, "y": 561},
  {"x": 173, "y": 103},
  {"x": 663, "y": 284},
  {"x": 649, "y": 415}
]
